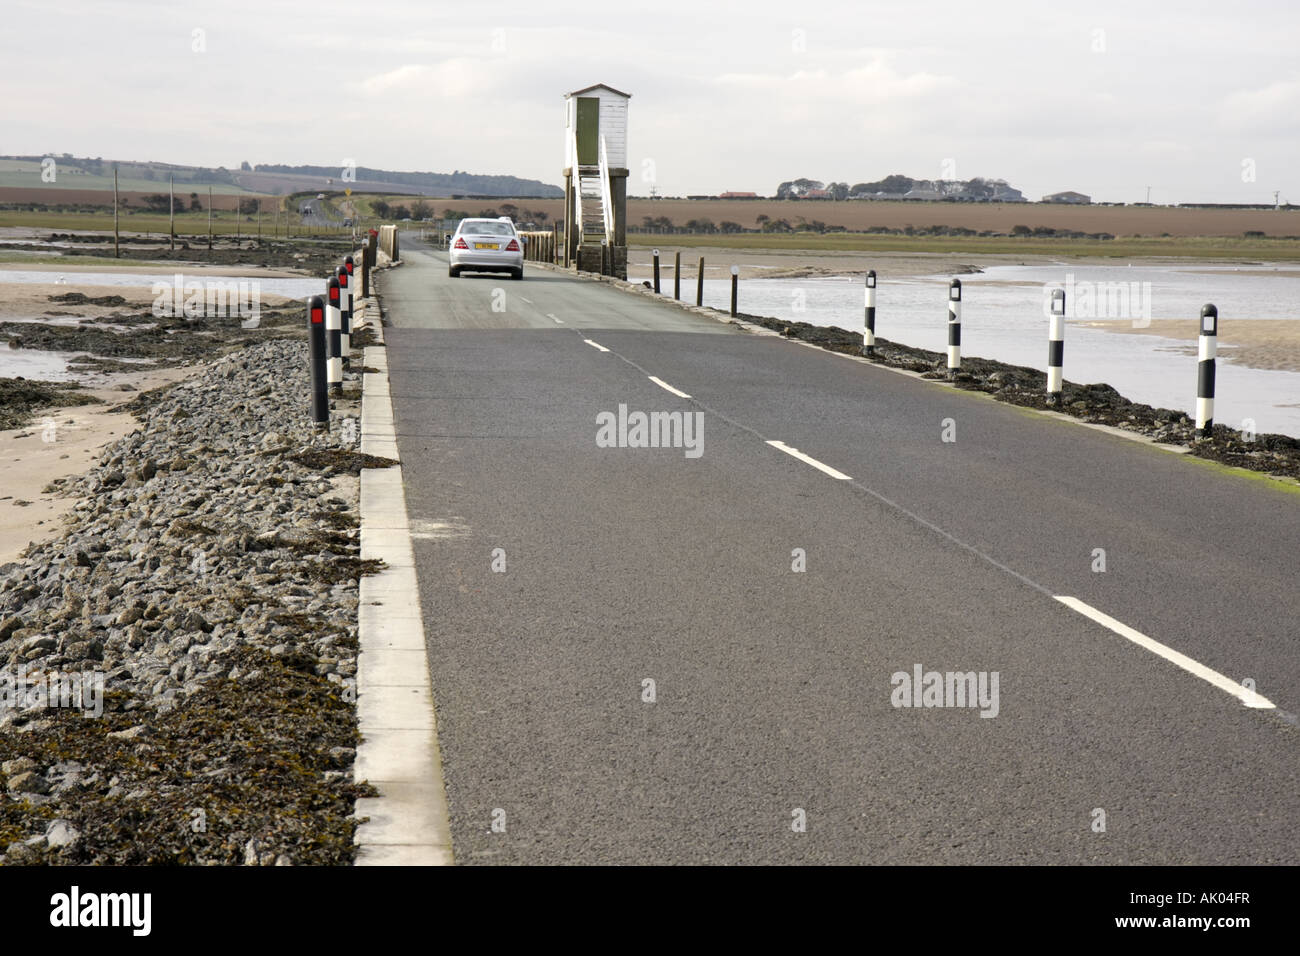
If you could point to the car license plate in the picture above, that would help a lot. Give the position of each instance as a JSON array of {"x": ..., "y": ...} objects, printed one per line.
[{"x": 487, "y": 245}]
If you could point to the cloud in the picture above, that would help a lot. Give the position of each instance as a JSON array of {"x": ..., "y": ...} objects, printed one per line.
[
  {"x": 1270, "y": 108},
  {"x": 411, "y": 74},
  {"x": 875, "y": 82}
]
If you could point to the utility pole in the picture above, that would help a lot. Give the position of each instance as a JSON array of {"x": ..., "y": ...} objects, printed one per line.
[
  {"x": 209, "y": 219},
  {"x": 117, "y": 252},
  {"x": 1148, "y": 195},
  {"x": 171, "y": 210}
]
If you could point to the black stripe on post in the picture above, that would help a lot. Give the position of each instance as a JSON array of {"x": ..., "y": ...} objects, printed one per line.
[
  {"x": 1056, "y": 354},
  {"x": 1205, "y": 379}
]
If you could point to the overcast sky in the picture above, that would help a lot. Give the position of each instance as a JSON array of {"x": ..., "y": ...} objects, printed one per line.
[{"x": 1200, "y": 101}]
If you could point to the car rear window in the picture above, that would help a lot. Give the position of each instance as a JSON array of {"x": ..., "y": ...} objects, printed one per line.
[{"x": 486, "y": 227}]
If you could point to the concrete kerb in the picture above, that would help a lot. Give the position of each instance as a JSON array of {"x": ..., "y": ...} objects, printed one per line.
[{"x": 408, "y": 822}]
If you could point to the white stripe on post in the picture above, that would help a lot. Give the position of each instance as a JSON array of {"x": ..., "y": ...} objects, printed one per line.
[
  {"x": 954, "y": 326},
  {"x": 1208, "y": 346}
]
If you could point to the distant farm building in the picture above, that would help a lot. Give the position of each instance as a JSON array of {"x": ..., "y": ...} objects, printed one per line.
[
  {"x": 1078, "y": 199},
  {"x": 1004, "y": 193},
  {"x": 923, "y": 193},
  {"x": 730, "y": 195}
]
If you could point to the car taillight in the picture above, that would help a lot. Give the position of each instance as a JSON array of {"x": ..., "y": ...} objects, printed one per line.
[
  {"x": 460, "y": 244},
  {"x": 513, "y": 247}
]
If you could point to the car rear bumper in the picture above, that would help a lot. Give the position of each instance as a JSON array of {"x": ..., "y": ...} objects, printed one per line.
[{"x": 487, "y": 262}]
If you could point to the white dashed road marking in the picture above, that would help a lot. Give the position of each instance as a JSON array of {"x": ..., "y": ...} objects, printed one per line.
[
  {"x": 664, "y": 385},
  {"x": 1248, "y": 697},
  {"x": 595, "y": 345},
  {"x": 796, "y": 453},
  {"x": 558, "y": 321}
]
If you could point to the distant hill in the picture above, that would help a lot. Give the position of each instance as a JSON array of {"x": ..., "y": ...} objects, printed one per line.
[
  {"x": 382, "y": 180},
  {"x": 73, "y": 172},
  {"x": 78, "y": 172}
]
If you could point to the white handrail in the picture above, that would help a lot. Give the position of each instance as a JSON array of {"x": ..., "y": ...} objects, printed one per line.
[
  {"x": 606, "y": 201},
  {"x": 577, "y": 182}
]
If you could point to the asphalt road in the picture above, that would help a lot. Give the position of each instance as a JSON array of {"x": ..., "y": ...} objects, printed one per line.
[{"x": 773, "y": 688}]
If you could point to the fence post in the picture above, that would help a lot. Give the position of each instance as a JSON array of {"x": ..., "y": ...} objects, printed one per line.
[
  {"x": 320, "y": 403},
  {"x": 1209, "y": 342},
  {"x": 869, "y": 317},
  {"x": 954, "y": 327},
  {"x": 333, "y": 335},
  {"x": 656, "y": 254},
  {"x": 699, "y": 283},
  {"x": 1056, "y": 348},
  {"x": 735, "y": 279},
  {"x": 677, "y": 275}
]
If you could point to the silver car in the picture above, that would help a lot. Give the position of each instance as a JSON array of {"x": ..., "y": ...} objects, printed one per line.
[{"x": 486, "y": 245}]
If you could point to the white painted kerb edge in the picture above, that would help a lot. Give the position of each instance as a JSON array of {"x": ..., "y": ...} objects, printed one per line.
[{"x": 399, "y": 754}]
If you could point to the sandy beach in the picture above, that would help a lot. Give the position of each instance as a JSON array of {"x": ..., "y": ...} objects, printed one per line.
[
  {"x": 65, "y": 441},
  {"x": 62, "y": 442},
  {"x": 1259, "y": 343}
]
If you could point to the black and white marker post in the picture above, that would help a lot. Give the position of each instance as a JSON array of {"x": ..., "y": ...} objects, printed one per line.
[
  {"x": 353, "y": 281},
  {"x": 320, "y": 402},
  {"x": 333, "y": 336},
  {"x": 367, "y": 250},
  {"x": 345, "y": 315},
  {"x": 954, "y": 327},
  {"x": 1205, "y": 371},
  {"x": 869, "y": 330},
  {"x": 735, "y": 279},
  {"x": 656, "y": 254},
  {"x": 1056, "y": 348}
]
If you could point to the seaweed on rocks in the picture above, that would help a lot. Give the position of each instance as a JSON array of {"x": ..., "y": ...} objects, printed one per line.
[
  {"x": 20, "y": 398},
  {"x": 80, "y": 298},
  {"x": 209, "y": 575},
  {"x": 341, "y": 460}
]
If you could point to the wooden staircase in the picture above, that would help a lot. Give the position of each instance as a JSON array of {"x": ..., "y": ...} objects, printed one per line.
[{"x": 592, "y": 202}]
